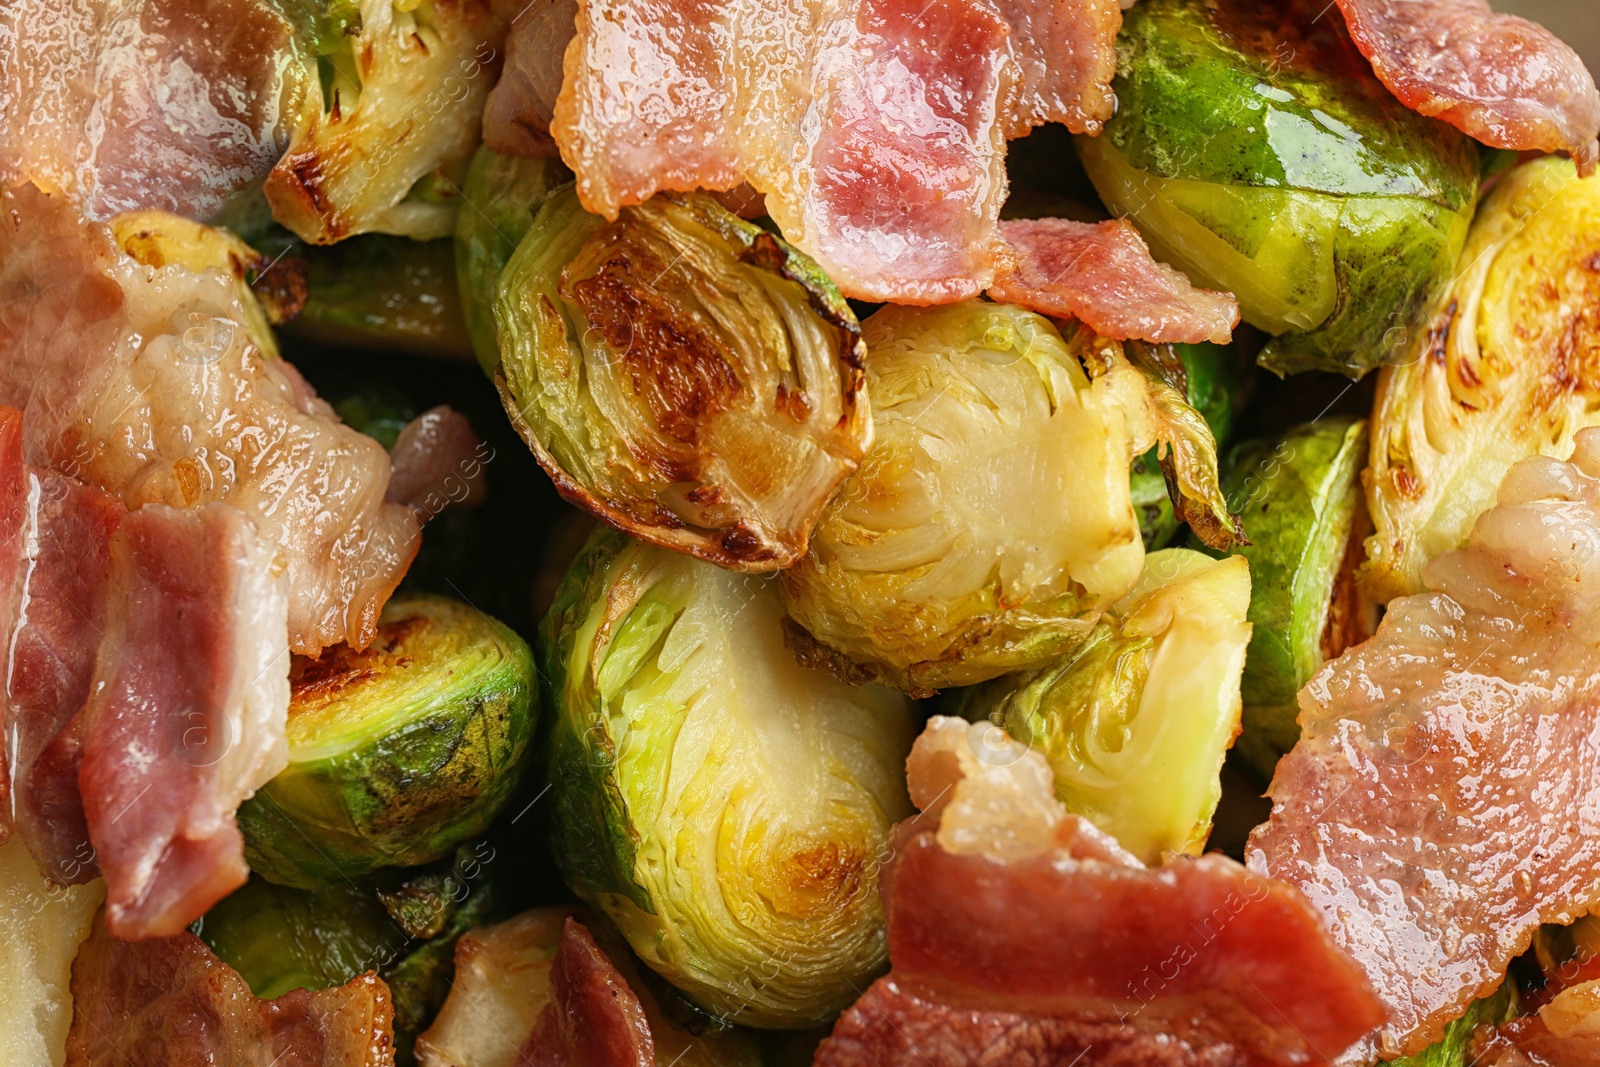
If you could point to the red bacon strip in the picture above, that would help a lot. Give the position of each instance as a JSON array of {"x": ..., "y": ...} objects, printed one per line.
[
  {"x": 594, "y": 1018},
  {"x": 187, "y": 715},
  {"x": 172, "y": 1003},
  {"x": 1103, "y": 274},
  {"x": 1504, "y": 80},
  {"x": 1017, "y": 931},
  {"x": 1440, "y": 803}
]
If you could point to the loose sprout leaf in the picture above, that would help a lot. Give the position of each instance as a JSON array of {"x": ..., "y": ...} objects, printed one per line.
[
  {"x": 725, "y": 806},
  {"x": 682, "y": 374}
]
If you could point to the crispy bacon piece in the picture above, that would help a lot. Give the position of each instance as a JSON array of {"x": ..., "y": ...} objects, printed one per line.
[
  {"x": 144, "y": 381},
  {"x": 1020, "y": 933},
  {"x": 188, "y": 710},
  {"x": 1499, "y": 78},
  {"x": 1103, "y": 274},
  {"x": 875, "y": 129},
  {"x": 1439, "y": 805},
  {"x": 594, "y": 1019},
  {"x": 168, "y": 104},
  {"x": 172, "y": 1003}
]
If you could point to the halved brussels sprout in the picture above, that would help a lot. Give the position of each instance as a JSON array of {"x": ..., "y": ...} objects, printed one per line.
[
  {"x": 502, "y": 193},
  {"x": 1136, "y": 720},
  {"x": 280, "y": 939},
  {"x": 724, "y": 806},
  {"x": 1508, "y": 368},
  {"x": 992, "y": 521},
  {"x": 397, "y": 752},
  {"x": 1256, "y": 151},
  {"x": 1300, "y": 500},
  {"x": 683, "y": 374},
  {"x": 389, "y": 293},
  {"x": 1454, "y": 1049},
  {"x": 383, "y": 146}
]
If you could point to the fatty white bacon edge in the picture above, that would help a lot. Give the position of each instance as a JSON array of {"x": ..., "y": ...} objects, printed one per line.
[
  {"x": 144, "y": 381},
  {"x": 1444, "y": 798}
]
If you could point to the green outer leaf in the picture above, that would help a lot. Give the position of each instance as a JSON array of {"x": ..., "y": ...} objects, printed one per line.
[
  {"x": 499, "y": 199},
  {"x": 413, "y": 757},
  {"x": 1298, "y": 499},
  {"x": 1265, "y": 102},
  {"x": 1451, "y": 1050},
  {"x": 1211, "y": 374},
  {"x": 378, "y": 291},
  {"x": 594, "y": 842}
]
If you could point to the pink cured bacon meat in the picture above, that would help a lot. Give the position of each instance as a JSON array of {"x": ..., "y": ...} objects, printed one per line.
[
  {"x": 1504, "y": 80},
  {"x": 1103, "y": 275},
  {"x": 1442, "y": 800},
  {"x": 188, "y": 713},
  {"x": 594, "y": 1018},
  {"x": 173, "y": 1003},
  {"x": 165, "y": 104},
  {"x": 1020, "y": 933}
]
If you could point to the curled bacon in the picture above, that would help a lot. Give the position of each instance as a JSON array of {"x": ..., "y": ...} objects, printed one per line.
[
  {"x": 1017, "y": 930},
  {"x": 1103, "y": 274},
  {"x": 1504, "y": 80}
]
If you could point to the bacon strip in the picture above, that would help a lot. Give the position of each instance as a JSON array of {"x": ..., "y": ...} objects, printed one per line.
[
  {"x": 594, "y": 1019},
  {"x": 188, "y": 711},
  {"x": 168, "y": 104},
  {"x": 1504, "y": 80},
  {"x": 1440, "y": 804},
  {"x": 193, "y": 412},
  {"x": 1103, "y": 274},
  {"x": 1019, "y": 932},
  {"x": 876, "y": 129},
  {"x": 172, "y": 1003}
]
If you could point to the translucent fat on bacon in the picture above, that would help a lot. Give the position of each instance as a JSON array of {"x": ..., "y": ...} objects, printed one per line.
[{"x": 1437, "y": 808}]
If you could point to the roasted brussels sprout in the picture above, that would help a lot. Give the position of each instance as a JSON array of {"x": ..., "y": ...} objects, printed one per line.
[
  {"x": 279, "y": 938},
  {"x": 384, "y": 144},
  {"x": 1136, "y": 720},
  {"x": 682, "y": 374},
  {"x": 503, "y": 192},
  {"x": 41, "y": 926},
  {"x": 992, "y": 521},
  {"x": 1300, "y": 500},
  {"x": 382, "y": 292},
  {"x": 1255, "y": 150},
  {"x": 397, "y": 752},
  {"x": 1508, "y": 367},
  {"x": 724, "y": 806}
]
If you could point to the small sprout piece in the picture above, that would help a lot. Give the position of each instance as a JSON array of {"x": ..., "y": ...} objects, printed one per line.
[
  {"x": 683, "y": 374},
  {"x": 726, "y": 807},
  {"x": 992, "y": 521},
  {"x": 1507, "y": 368},
  {"x": 1136, "y": 720},
  {"x": 502, "y": 193},
  {"x": 1256, "y": 151},
  {"x": 383, "y": 146},
  {"x": 397, "y": 752},
  {"x": 387, "y": 293},
  {"x": 1300, "y": 500}
]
